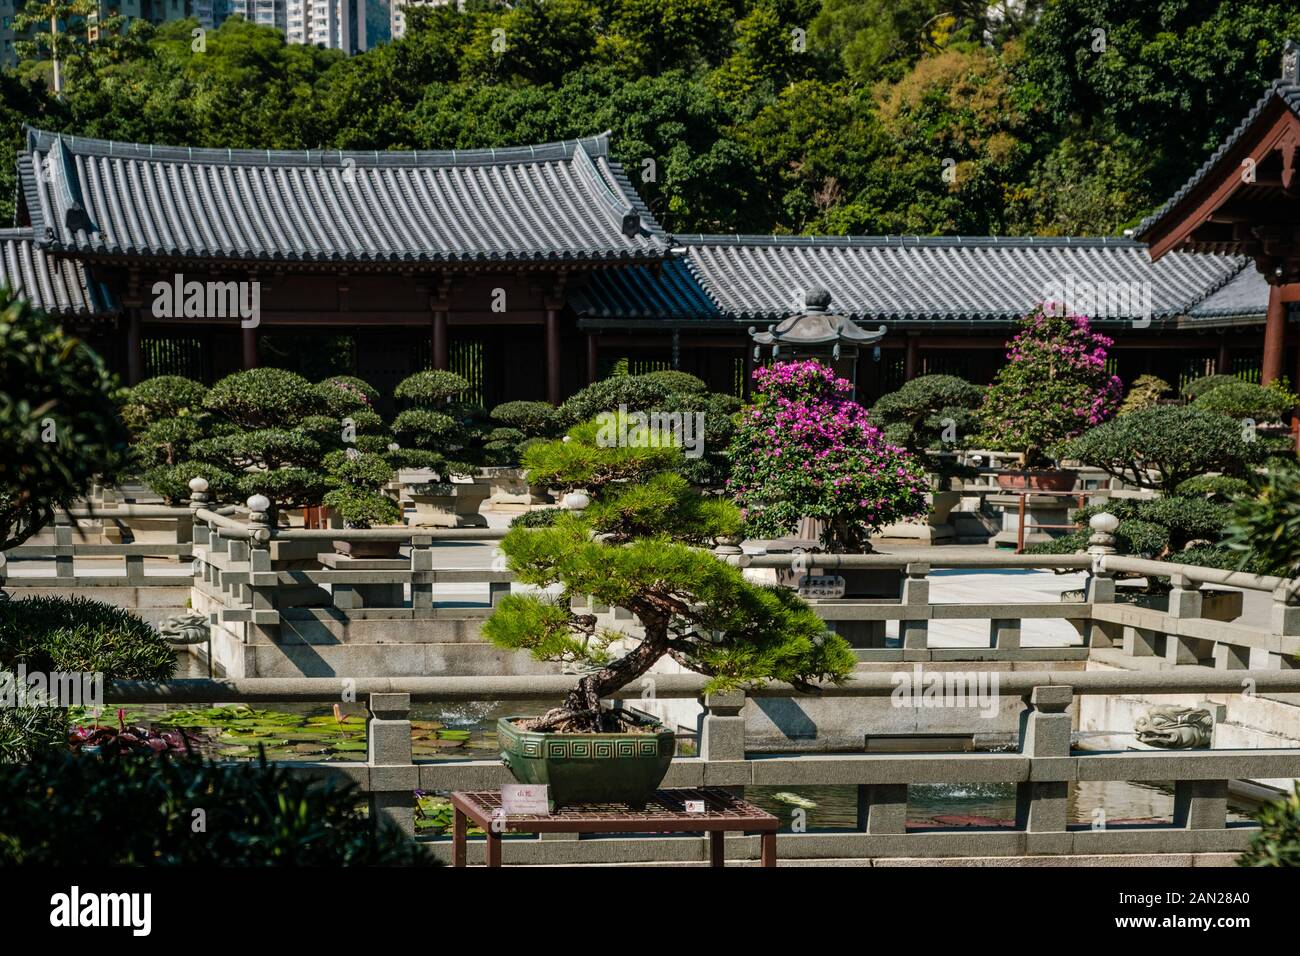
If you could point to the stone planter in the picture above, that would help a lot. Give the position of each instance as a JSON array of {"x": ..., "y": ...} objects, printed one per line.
[
  {"x": 934, "y": 528},
  {"x": 1038, "y": 479},
  {"x": 1216, "y": 604},
  {"x": 448, "y": 504},
  {"x": 367, "y": 549},
  {"x": 511, "y": 493},
  {"x": 590, "y": 768},
  {"x": 1046, "y": 517}
]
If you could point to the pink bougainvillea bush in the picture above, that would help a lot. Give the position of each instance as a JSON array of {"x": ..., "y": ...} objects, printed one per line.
[
  {"x": 1054, "y": 386},
  {"x": 804, "y": 449}
]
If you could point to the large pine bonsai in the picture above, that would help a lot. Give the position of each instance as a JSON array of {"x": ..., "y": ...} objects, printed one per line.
[{"x": 644, "y": 544}]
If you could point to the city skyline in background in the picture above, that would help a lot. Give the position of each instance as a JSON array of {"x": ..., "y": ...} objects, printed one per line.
[{"x": 352, "y": 26}]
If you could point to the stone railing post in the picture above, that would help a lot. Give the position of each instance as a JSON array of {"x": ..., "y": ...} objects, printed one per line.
[
  {"x": 421, "y": 565},
  {"x": 882, "y": 808},
  {"x": 1185, "y": 604},
  {"x": 1201, "y": 804},
  {"x": 722, "y": 730},
  {"x": 1285, "y": 622},
  {"x": 1041, "y": 805},
  {"x": 1100, "y": 586},
  {"x": 914, "y": 632},
  {"x": 394, "y": 777},
  {"x": 260, "y": 596},
  {"x": 64, "y": 567}
]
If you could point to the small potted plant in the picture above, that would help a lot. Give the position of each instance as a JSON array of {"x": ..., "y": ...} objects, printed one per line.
[
  {"x": 641, "y": 544},
  {"x": 1053, "y": 387},
  {"x": 356, "y": 497}
]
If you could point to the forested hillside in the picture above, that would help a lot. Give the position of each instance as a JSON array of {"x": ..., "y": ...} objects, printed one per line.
[{"x": 806, "y": 116}]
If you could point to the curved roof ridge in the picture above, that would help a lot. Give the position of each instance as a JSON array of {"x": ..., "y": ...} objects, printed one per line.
[
  {"x": 596, "y": 145},
  {"x": 739, "y": 239}
]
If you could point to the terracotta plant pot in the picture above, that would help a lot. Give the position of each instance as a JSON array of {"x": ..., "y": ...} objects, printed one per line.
[
  {"x": 1038, "y": 479},
  {"x": 590, "y": 768}
]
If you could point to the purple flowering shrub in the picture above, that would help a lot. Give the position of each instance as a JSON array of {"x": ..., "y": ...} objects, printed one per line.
[
  {"x": 804, "y": 449},
  {"x": 1054, "y": 387}
]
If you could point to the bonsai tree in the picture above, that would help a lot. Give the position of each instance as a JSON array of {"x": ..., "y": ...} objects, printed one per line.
[
  {"x": 342, "y": 395},
  {"x": 59, "y": 426},
  {"x": 633, "y": 547},
  {"x": 1145, "y": 392},
  {"x": 925, "y": 414},
  {"x": 161, "y": 398},
  {"x": 1175, "y": 442},
  {"x": 1199, "y": 386},
  {"x": 519, "y": 425},
  {"x": 356, "y": 479},
  {"x": 1259, "y": 403},
  {"x": 1053, "y": 387},
  {"x": 805, "y": 450},
  {"x": 435, "y": 423}
]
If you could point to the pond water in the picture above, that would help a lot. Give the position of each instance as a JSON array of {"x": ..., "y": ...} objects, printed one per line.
[{"x": 467, "y": 731}]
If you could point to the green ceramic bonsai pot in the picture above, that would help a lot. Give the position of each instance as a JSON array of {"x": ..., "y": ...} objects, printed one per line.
[{"x": 590, "y": 768}]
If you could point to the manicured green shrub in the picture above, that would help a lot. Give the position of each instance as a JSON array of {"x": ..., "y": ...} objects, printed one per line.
[
  {"x": 289, "y": 487},
  {"x": 264, "y": 398},
  {"x": 167, "y": 441},
  {"x": 1215, "y": 487},
  {"x": 56, "y": 633},
  {"x": 582, "y": 462},
  {"x": 1160, "y": 528},
  {"x": 342, "y": 394},
  {"x": 61, "y": 809},
  {"x": 159, "y": 399},
  {"x": 537, "y": 518},
  {"x": 928, "y": 413},
  {"x": 361, "y": 508},
  {"x": 59, "y": 426},
  {"x": 1206, "y": 383},
  {"x": 1146, "y": 391},
  {"x": 430, "y": 389},
  {"x": 268, "y": 448},
  {"x": 172, "y": 482},
  {"x": 1260, "y": 403},
  {"x": 427, "y": 429},
  {"x": 1176, "y": 442},
  {"x": 1278, "y": 840},
  {"x": 676, "y": 381},
  {"x": 633, "y": 392},
  {"x": 70, "y": 635},
  {"x": 530, "y": 418}
]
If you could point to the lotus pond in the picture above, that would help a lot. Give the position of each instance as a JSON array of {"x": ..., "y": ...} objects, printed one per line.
[{"x": 467, "y": 731}]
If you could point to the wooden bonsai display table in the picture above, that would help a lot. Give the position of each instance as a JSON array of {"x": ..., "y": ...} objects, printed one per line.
[{"x": 665, "y": 813}]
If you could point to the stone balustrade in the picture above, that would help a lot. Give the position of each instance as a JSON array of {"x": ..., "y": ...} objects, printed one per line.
[{"x": 1042, "y": 768}]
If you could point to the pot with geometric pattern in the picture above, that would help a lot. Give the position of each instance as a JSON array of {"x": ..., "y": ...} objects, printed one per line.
[{"x": 590, "y": 768}]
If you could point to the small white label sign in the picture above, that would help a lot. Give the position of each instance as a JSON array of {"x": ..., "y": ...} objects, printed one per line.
[
  {"x": 821, "y": 586},
  {"x": 694, "y": 806},
  {"x": 523, "y": 798}
]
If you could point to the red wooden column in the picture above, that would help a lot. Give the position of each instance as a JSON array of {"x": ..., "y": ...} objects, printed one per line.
[
  {"x": 552, "y": 352},
  {"x": 593, "y": 356},
  {"x": 912, "y": 363},
  {"x": 134, "y": 348},
  {"x": 249, "y": 336},
  {"x": 441, "y": 356},
  {"x": 440, "y": 305},
  {"x": 1274, "y": 336}
]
